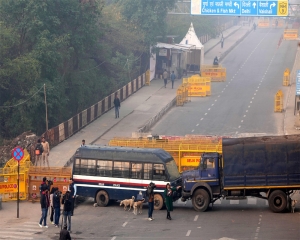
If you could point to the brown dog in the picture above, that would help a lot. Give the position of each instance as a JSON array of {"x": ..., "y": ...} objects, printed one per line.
[
  {"x": 138, "y": 207},
  {"x": 127, "y": 202}
]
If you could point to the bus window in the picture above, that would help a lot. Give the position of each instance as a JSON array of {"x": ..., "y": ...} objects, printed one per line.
[
  {"x": 136, "y": 170},
  {"x": 159, "y": 172},
  {"x": 121, "y": 169},
  {"x": 76, "y": 169},
  {"x": 88, "y": 167},
  {"x": 104, "y": 168},
  {"x": 147, "y": 171}
]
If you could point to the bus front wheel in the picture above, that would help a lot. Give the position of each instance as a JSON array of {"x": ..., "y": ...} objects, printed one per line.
[
  {"x": 102, "y": 198},
  {"x": 158, "y": 202}
]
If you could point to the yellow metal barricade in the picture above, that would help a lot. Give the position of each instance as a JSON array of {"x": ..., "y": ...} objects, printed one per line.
[
  {"x": 147, "y": 80},
  {"x": 264, "y": 23},
  {"x": 179, "y": 96},
  {"x": 290, "y": 34},
  {"x": 9, "y": 178},
  {"x": 278, "y": 102},
  {"x": 286, "y": 77},
  {"x": 216, "y": 73},
  {"x": 59, "y": 176},
  {"x": 198, "y": 86}
]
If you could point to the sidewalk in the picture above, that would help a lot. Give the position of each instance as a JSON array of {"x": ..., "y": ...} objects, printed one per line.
[{"x": 142, "y": 108}]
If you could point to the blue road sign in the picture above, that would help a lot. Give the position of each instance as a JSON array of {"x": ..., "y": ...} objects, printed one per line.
[
  {"x": 298, "y": 83},
  {"x": 240, "y": 7},
  {"x": 18, "y": 153}
]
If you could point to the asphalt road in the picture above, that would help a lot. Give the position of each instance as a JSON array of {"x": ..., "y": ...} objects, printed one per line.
[
  {"x": 247, "y": 219},
  {"x": 244, "y": 103}
]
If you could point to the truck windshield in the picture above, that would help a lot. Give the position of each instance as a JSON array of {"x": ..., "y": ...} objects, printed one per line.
[{"x": 172, "y": 170}]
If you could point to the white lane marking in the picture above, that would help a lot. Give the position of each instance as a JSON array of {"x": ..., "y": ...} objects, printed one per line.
[
  {"x": 234, "y": 201},
  {"x": 253, "y": 98},
  {"x": 242, "y": 120},
  {"x": 114, "y": 238},
  {"x": 188, "y": 233},
  {"x": 197, "y": 125},
  {"x": 244, "y": 115},
  {"x": 236, "y": 132},
  {"x": 196, "y": 218},
  {"x": 246, "y": 110},
  {"x": 205, "y": 114},
  {"x": 212, "y": 104},
  {"x": 201, "y": 119},
  {"x": 124, "y": 224},
  {"x": 219, "y": 96},
  {"x": 256, "y": 90},
  {"x": 240, "y": 126},
  {"x": 193, "y": 130},
  {"x": 216, "y": 100},
  {"x": 250, "y": 101},
  {"x": 209, "y": 109},
  {"x": 254, "y": 94}
]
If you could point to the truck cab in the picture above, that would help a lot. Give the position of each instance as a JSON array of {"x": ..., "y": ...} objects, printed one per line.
[{"x": 202, "y": 183}]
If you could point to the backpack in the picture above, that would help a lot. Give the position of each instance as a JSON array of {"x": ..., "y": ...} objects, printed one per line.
[{"x": 39, "y": 149}]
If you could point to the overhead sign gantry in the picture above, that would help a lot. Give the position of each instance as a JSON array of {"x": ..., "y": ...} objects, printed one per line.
[{"x": 258, "y": 8}]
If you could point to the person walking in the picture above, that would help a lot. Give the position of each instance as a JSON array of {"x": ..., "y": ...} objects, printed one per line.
[
  {"x": 117, "y": 105},
  {"x": 222, "y": 42},
  {"x": 165, "y": 77},
  {"x": 168, "y": 194},
  {"x": 45, "y": 203},
  {"x": 51, "y": 205},
  {"x": 72, "y": 190},
  {"x": 56, "y": 206},
  {"x": 38, "y": 153},
  {"x": 173, "y": 77},
  {"x": 67, "y": 210},
  {"x": 150, "y": 195},
  {"x": 64, "y": 234}
]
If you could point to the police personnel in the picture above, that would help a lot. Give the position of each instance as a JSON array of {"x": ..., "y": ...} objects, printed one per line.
[{"x": 72, "y": 190}]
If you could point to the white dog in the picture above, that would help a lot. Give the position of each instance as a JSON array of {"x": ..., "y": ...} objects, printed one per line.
[
  {"x": 127, "y": 202},
  {"x": 138, "y": 207},
  {"x": 293, "y": 205}
]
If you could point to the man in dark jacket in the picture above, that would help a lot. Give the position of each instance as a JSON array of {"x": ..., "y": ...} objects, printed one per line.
[
  {"x": 117, "y": 106},
  {"x": 56, "y": 206},
  {"x": 67, "y": 212},
  {"x": 72, "y": 190},
  {"x": 45, "y": 203},
  {"x": 64, "y": 234}
]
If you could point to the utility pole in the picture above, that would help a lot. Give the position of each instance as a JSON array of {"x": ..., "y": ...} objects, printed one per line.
[{"x": 46, "y": 107}]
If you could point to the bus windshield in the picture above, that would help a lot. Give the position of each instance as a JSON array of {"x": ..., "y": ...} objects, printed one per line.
[{"x": 172, "y": 170}]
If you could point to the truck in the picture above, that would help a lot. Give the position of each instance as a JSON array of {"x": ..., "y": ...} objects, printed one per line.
[{"x": 263, "y": 167}]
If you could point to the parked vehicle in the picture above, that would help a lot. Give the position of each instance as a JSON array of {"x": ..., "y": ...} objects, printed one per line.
[
  {"x": 117, "y": 173},
  {"x": 263, "y": 167}
]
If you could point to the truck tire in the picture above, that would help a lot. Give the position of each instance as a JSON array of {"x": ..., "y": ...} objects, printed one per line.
[
  {"x": 158, "y": 201},
  {"x": 200, "y": 200},
  {"x": 277, "y": 201},
  {"x": 102, "y": 198}
]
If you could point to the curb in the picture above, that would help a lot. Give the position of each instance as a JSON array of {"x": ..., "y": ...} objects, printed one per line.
[{"x": 157, "y": 117}]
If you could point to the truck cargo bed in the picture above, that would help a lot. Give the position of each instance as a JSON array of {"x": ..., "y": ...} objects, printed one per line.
[{"x": 261, "y": 161}]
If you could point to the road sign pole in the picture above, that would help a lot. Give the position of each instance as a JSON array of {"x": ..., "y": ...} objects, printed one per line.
[{"x": 18, "y": 195}]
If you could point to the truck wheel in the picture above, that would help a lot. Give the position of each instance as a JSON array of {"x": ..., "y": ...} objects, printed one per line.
[
  {"x": 158, "y": 202},
  {"x": 102, "y": 198},
  {"x": 277, "y": 201},
  {"x": 200, "y": 200}
]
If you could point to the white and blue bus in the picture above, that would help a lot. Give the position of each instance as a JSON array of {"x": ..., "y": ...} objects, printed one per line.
[{"x": 117, "y": 173}]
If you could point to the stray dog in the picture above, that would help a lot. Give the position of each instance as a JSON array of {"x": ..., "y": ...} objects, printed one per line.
[
  {"x": 127, "y": 202},
  {"x": 293, "y": 205},
  {"x": 138, "y": 207}
]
